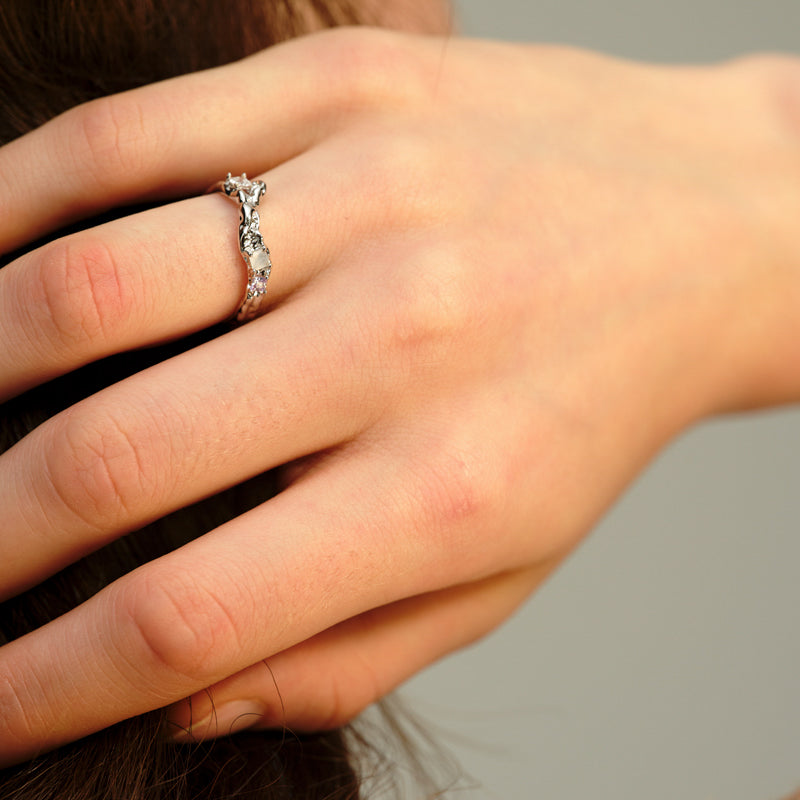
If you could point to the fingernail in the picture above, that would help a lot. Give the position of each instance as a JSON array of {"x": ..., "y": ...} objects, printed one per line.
[{"x": 227, "y": 719}]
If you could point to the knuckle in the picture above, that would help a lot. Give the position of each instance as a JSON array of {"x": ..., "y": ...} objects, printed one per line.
[
  {"x": 346, "y": 697},
  {"x": 459, "y": 494},
  {"x": 337, "y": 712},
  {"x": 784, "y": 76},
  {"x": 371, "y": 66},
  {"x": 347, "y": 693},
  {"x": 19, "y": 720},
  {"x": 108, "y": 137},
  {"x": 83, "y": 293},
  {"x": 180, "y": 626},
  {"x": 433, "y": 313},
  {"x": 775, "y": 78},
  {"x": 95, "y": 467}
]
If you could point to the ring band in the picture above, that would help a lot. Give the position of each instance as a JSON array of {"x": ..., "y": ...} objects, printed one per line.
[{"x": 255, "y": 253}]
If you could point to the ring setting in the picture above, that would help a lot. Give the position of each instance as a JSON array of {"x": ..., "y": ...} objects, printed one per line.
[{"x": 247, "y": 194}]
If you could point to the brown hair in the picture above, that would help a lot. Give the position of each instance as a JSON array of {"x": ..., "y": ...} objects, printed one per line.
[
  {"x": 55, "y": 54},
  {"x": 60, "y": 53}
]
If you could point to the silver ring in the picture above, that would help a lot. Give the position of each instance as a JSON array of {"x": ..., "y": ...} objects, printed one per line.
[{"x": 255, "y": 253}]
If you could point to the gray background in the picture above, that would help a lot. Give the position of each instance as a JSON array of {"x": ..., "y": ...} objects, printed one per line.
[{"x": 662, "y": 661}]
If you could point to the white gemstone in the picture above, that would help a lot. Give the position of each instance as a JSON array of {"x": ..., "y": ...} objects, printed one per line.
[
  {"x": 236, "y": 184},
  {"x": 259, "y": 261}
]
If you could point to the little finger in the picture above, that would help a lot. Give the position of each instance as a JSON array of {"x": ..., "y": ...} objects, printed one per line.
[
  {"x": 256, "y": 586},
  {"x": 329, "y": 679}
]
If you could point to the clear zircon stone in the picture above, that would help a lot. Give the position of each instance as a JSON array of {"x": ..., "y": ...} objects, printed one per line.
[{"x": 258, "y": 285}]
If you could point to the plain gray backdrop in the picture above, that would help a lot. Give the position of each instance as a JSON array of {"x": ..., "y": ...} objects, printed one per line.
[{"x": 662, "y": 661}]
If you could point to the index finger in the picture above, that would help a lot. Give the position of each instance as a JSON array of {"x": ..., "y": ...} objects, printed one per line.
[{"x": 173, "y": 138}]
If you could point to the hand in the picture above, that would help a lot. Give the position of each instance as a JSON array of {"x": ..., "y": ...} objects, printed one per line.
[{"x": 504, "y": 277}]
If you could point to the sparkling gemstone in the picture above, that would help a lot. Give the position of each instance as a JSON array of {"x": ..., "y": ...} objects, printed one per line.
[
  {"x": 236, "y": 184},
  {"x": 258, "y": 285}
]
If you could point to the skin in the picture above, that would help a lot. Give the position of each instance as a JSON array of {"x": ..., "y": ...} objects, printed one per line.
[{"x": 504, "y": 277}]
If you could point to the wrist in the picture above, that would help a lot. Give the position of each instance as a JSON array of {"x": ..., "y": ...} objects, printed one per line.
[
  {"x": 736, "y": 320},
  {"x": 760, "y": 333}
]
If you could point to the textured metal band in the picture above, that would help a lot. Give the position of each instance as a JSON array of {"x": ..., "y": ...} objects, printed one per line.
[{"x": 255, "y": 253}]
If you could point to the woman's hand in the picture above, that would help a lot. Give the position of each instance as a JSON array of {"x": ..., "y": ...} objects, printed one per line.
[{"x": 503, "y": 278}]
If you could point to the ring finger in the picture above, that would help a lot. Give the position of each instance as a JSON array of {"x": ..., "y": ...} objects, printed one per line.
[{"x": 160, "y": 274}]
